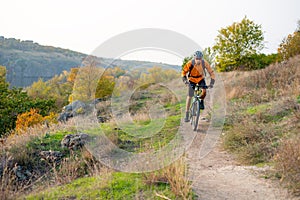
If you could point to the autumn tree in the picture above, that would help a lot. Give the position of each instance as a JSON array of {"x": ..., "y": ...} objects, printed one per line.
[
  {"x": 105, "y": 87},
  {"x": 290, "y": 45},
  {"x": 58, "y": 88},
  {"x": 86, "y": 82},
  {"x": 236, "y": 43}
]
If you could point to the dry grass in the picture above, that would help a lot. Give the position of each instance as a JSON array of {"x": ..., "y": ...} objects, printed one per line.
[
  {"x": 18, "y": 151},
  {"x": 280, "y": 79},
  {"x": 176, "y": 176},
  {"x": 75, "y": 166},
  {"x": 288, "y": 163}
]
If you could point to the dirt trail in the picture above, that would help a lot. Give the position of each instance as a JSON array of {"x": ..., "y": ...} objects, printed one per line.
[{"x": 219, "y": 176}]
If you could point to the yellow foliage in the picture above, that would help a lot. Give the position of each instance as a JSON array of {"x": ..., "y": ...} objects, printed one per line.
[
  {"x": 28, "y": 119},
  {"x": 32, "y": 118},
  {"x": 51, "y": 118}
]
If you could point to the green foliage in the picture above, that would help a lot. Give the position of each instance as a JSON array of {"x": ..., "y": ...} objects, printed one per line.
[
  {"x": 14, "y": 101},
  {"x": 105, "y": 87},
  {"x": 209, "y": 55},
  {"x": 50, "y": 141},
  {"x": 237, "y": 43},
  {"x": 257, "y": 61}
]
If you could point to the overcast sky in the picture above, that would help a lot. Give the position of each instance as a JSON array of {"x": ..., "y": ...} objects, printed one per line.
[{"x": 84, "y": 25}]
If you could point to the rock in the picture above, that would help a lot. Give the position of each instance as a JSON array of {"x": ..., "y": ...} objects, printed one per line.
[
  {"x": 72, "y": 110},
  {"x": 102, "y": 119},
  {"x": 21, "y": 174},
  {"x": 51, "y": 156},
  {"x": 74, "y": 141}
]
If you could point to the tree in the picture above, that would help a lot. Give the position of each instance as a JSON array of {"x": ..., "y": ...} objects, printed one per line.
[
  {"x": 58, "y": 88},
  {"x": 39, "y": 89},
  {"x": 236, "y": 43},
  {"x": 3, "y": 83},
  {"x": 86, "y": 82},
  {"x": 105, "y": 87},
  {"x": 290, "y": 45}
]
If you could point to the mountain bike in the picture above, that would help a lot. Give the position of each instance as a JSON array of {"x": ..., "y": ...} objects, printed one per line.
[{"x": 195, "y": 107}]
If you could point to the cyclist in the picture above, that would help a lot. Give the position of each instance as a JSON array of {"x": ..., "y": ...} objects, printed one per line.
[{"x": 195, "y": 69}]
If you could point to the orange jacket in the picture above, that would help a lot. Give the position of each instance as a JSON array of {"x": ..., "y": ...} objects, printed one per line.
[{"x": 197, "y": 74}]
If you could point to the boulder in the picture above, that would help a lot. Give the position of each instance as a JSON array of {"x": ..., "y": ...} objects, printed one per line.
[
  {"x": 73, "y": 109},
  {"x": 74, "y": 141}
]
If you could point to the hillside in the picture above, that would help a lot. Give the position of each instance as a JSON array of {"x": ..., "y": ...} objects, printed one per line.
[
  {"x": 261, "y": 133},
  {"x": 27, "y": 61}
]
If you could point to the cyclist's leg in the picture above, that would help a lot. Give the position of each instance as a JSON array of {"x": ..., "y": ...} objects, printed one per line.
[
  {"x": 202, "y": 84},
  {"x": 190, "y": 95},
  {"x": 188, "y": 100}
]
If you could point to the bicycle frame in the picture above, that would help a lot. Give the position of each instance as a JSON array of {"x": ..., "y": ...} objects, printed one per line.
[{"x": 195, "y": 107}]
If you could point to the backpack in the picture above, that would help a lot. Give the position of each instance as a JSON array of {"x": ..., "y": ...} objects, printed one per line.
[{"x": 193, "y": 64}]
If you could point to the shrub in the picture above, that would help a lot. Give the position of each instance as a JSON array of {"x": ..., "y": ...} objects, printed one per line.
[
  {"x": 28, "y": 119},
  {"x": 257, "y": 61},
  {"x": 51, "y": 118},
  {"x": 287, "y": 162},
  {"x": 253, "y": 143}
]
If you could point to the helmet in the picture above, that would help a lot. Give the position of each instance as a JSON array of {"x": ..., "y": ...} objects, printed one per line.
[{"x": 198, "y": 54}]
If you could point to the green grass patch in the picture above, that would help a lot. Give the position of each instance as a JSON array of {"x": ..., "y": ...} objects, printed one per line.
[
  {"x": 118, "y": 185},
  {"x": 50, "y": 141},
  {"x": 150, "y": 136},
  {"x": 257, "y": 109}
]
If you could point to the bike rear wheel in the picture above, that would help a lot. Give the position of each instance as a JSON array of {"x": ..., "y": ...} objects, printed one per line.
[{"x": 195, "y": 114}]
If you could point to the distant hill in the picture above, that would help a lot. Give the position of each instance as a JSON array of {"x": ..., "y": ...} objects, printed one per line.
[{"x": 27, "y": 61}]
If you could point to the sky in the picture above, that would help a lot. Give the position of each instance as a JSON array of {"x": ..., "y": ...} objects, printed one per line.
[{"x": 84, "y": 25}]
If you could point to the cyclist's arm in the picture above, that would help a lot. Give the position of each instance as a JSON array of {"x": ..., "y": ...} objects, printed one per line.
[{"x": 186, "y": 68}]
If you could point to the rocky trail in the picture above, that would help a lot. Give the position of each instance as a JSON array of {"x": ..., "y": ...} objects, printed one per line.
[{"x": 218, "y": 176}]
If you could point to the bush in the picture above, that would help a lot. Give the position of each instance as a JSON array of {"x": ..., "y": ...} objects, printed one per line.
[
  {"x": 253, "y": 143},
  {"x": 288, "y": 161},
  {"x": 257, "y": 61},
  {"x": 28, "y": 119}
]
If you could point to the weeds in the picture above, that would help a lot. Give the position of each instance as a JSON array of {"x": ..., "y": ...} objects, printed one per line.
[
  {"x": 287, "y": 162},
  {"x": 176, "y": 176}
]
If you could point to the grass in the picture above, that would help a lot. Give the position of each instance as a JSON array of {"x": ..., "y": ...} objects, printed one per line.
[
  {"x": 258, "y": 108},
  {"x": 168, "y": 183},
  {"x": 78, "y": 175},
  {"x": 117, "y": 185},
  {"x": 141, "y": 141}
]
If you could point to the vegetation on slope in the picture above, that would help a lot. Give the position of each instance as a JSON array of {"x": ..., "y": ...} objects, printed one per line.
[{"x": 264, "y": 122}]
